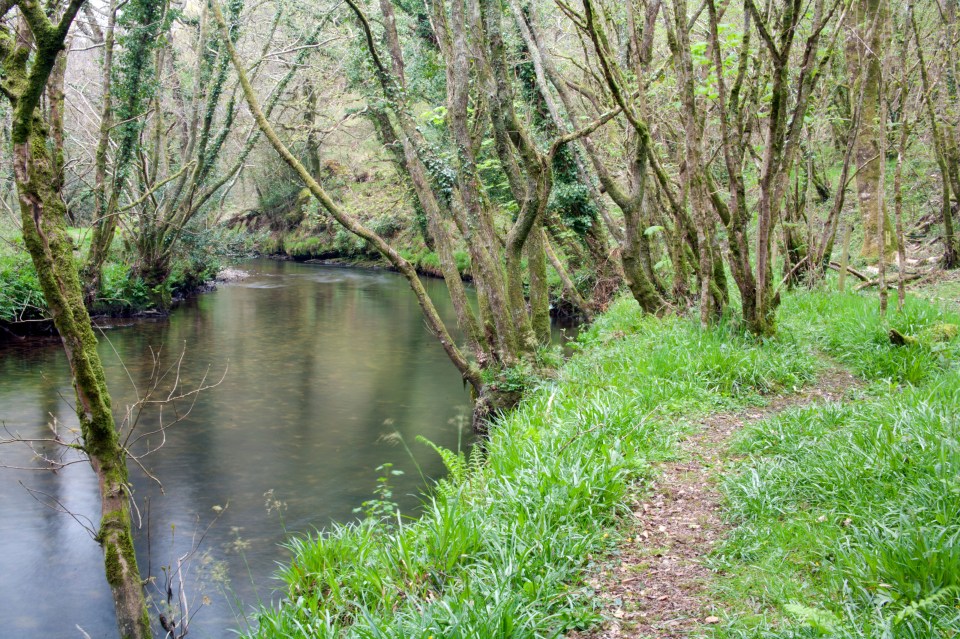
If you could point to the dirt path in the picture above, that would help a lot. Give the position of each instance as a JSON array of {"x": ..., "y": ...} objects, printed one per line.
[{"x": 656, "y": 585}]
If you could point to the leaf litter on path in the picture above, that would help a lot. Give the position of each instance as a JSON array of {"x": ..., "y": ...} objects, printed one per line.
[{"x": 655, "y": 585}]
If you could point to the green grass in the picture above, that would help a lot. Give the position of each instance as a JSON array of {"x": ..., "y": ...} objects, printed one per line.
[
  {"x": 501, "y": 545},
  {"x": 849, "y": 328},
  {"x": 20, "y": 295},
  {"x": 945, "y": 291},
  {"x": 201, "y": 254},
  {"x": 847, "y": 516}
]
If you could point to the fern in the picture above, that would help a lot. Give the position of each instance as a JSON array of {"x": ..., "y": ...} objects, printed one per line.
[
  {"x": 934, "y": 599},
  {"x": 822, "y": 621},
  {"x": 456, "y": 463},
  {"x": 460, "y": 469}
]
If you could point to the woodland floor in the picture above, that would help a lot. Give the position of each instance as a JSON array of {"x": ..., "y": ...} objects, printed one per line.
[{"x": 656, "y": 584}]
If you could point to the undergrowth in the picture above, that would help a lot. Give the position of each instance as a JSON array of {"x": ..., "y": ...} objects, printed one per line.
[
  {"x": 847, "y": 516},
  {"x": 201, "y": 254},
  {"x": 501, "y": 544}
]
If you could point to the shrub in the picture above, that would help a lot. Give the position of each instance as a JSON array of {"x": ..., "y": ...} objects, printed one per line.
[{"x": 20, "y": 294}]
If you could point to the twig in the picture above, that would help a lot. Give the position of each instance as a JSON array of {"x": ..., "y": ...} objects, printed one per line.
[{"x": 61, "y": 508}]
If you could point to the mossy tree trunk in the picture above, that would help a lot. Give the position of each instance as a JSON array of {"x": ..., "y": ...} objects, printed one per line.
[
  {"x": 866, "y": 22},
  {"x": 51, "y": 249},
  {"x": 944, "y": 148},
  {"x": 629, "y": 200},
  {"x": 103, "y": 224},
  {"x": 790, "y": 92}
]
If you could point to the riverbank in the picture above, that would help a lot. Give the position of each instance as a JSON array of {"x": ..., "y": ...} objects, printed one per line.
[
  {"x": 27, "y": 314},
  {"x": 325, "y": 369},
  {"x": 195, "y": 270},
  {"x": 513, "y": 544}
]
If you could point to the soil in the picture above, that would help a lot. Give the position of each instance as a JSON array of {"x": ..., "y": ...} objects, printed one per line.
[{"x": 655, "y": 586}]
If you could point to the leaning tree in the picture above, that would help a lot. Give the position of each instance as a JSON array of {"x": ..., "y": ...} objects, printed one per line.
[{"x": 32, "y": 36}]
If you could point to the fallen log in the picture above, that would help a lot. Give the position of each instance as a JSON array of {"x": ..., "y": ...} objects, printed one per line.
[
  {"x": 857, "y": 274},
  {"x": 890, "y": 283}
]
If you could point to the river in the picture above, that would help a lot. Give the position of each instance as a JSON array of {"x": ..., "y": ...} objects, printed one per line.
[{"x": 327, "y": 374}]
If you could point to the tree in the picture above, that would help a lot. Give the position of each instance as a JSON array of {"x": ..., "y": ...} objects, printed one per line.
[
  {"x": 29, "y": 57},
  {"x": 168, "y": 110},
  {"x": 945, "y": 133},
  {"x": 867, "y": 25},
  {"x": 504, "y": 332}
]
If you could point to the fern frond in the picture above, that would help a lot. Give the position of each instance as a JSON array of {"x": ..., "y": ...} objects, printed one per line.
[
  {"x": 821, "y": 620},
  {"x": 456, "y": 463},
  {"x": 929, "y": 601}
]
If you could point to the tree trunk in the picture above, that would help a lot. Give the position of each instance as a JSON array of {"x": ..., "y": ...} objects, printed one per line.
[
  {"x": 102, "y": 235},
  {"x": 864, "y": 47},
  {"x": 51, "y": 250},
  {"x": 951, "y": 248}
]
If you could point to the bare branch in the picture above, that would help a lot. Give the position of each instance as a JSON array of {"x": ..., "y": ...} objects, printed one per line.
[{"x": 60, "y": 508}]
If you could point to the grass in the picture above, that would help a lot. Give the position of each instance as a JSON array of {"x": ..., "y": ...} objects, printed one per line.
[
  {"x": 201, "y": 254},
  {"x": 847, "y": 516},
  {"x": 501, "y": 545},
  {"x": 20, "y": 295}
]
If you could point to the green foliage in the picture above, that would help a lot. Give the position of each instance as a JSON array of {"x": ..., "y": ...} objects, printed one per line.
[
  {"x": 572, "y": 201},
  {"x": 823, "y": 621},
  {"x": 849, "y": 328},
  {"x": 428, "y": 261},
  {"x": 20, "y": 294},
  {"x": 348, "y": 244},
  {"x": 846, "y": 515},
  {"x": 121, "y": 290},
  {"x": 463, "y": 261},
  {"x": 140, "y": 25},
  {"x": 570, "y": 198},
  {"x": 385, "y": 225},
  {"x": 203, "y": 252},
  {"x": 305, "y": 247},
  {"x": 460, "y": 469},
  {"x": 278, "y": 203},
  {"x": 494, "y": 178},
  {"x": 512, "y": 379},
  {"x": 382, "y": 508},
  {"x": 501, "y": 545}
]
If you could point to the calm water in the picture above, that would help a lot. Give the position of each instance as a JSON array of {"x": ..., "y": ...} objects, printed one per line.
[{"x": 323, "y": 366}]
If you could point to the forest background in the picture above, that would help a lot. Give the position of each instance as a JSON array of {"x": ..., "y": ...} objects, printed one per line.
[{"x": 706, "y": 157}]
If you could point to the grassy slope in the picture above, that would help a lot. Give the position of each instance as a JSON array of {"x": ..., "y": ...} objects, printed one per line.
[
  {"x": 847, "y": 517},
  {"x": 501, "y": 547}
]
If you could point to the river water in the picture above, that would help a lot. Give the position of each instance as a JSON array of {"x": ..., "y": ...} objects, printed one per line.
[{"x": 326, "y": 370}]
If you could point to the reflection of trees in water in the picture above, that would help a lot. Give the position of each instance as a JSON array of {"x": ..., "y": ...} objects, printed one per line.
[{"x": 316, "y": 369}]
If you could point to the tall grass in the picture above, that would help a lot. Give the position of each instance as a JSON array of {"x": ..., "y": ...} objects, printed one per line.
[
  {"x": 848, "y": 515},
  {"x": 849, "y": 328},
  {"x": 501, "y": 544}
]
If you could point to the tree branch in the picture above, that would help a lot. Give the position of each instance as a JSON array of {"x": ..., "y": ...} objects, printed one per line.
[{"x": 764, "y": 33}]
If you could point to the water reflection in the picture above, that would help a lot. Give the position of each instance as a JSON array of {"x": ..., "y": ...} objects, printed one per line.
[{"x": 323, "y": 364}]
